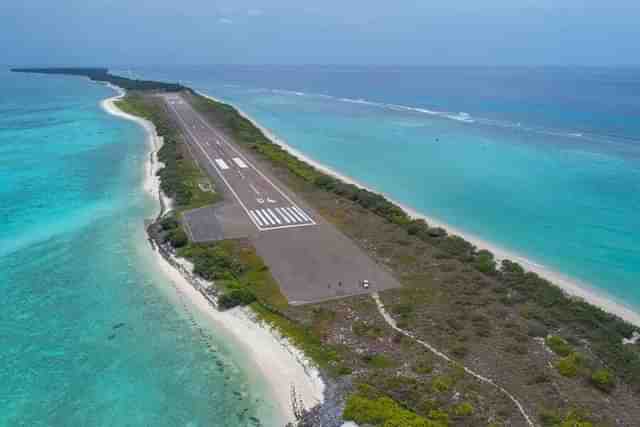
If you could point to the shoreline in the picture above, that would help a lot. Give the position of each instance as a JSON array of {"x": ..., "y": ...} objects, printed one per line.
[
  {"x": 281, "y": 364},
  {"x": 570, "y": 286}
]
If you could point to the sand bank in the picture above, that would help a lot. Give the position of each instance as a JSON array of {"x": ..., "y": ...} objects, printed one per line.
[
  {"x": 282, "y": 365},
  {"x": 570, "y": 286}
]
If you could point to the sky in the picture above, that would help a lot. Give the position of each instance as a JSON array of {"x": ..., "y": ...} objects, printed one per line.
[{"x": 397, "y": 32}]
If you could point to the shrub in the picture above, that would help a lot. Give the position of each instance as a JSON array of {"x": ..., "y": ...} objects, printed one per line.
[
  {"x": 558, "y": 345},
  {"x": 169, "y": 223},
  {"x": 441, "y": 384},
  {"x": 178, "y": 238},
  {"x": 423, "y": 367},
  {"x": 568, "y": 366},
  {"x": 439, "y": 415},
  {"x": 379, "y": 361},
  {"x": 603, "y": 380},
  {"x": 236, "y": 297},
  {"x": 384, "y": 412},
  {"x": 571, "y": 419},
  {"x": 344, "y": 370},
  {"x": 463, "y": 409}
]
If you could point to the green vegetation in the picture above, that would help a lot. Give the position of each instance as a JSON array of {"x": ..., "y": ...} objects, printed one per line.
[
  {"x": 441, "y": 384},
  {"x": 463, "y": 409},
  {"x": 571, "y": 419},
  {"x": 378, "y": 361},
  {"x": 304, "y": 337},
  {"x": 548, "y": 305},
  {"x": 603, "y": 379},
  {"x": 237, "y": 270},
  {"x": 568, "y": 366},
  {"x": 559, "y": 346},
  {"x": 103, "y": 75},
  {"x": 385, "y": 412},
  {"x": 236, "y": 297},
  {"x": 482, "y": 296}
]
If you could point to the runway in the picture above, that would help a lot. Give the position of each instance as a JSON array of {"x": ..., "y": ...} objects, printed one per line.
[
  {"x": 265, "y": 204},
  {"x": 309, "y": 258}
]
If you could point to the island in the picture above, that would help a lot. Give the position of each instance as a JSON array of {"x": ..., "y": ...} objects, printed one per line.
[{"x": 409, "y": 325}]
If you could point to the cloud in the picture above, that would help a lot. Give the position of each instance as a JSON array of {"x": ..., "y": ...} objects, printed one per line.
[
  {"x": 225, "y": 21},
  {"x": 254, "y": 12}
]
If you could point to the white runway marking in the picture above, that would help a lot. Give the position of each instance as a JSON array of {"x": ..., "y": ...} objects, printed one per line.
[
  {"x": 238, "y": 161},
  {"x": 293, "y": 214},
  {"x": 264, "y": 218},
  {"x": 222, "y": 164},
  {"x": 285, "y": 217},
  {"x": 274, "y": 216},
  {"x": 256, "y": 218},
  {"x": 301, "y": 212},
  {"x": 269, "y": 217}
]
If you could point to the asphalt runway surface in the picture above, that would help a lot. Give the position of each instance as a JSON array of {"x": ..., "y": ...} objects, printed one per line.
[{"x": 311, "y": 259}]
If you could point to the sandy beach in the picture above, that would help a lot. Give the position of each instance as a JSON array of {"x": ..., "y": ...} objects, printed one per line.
[
  {"x": 281, "y": 364},
  {"x": 568, "y": 285}
]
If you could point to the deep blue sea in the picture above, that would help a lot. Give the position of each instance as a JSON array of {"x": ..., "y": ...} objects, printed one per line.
[
  {"x": 543, "y": 162},
  {"x": 91, "y": 333}
]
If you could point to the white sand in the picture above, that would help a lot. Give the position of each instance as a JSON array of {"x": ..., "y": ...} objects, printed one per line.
[
  {"x": 151, "y": 182},
  {"x": 570, "y": 286},
  {"x": 280, "y": 363}
]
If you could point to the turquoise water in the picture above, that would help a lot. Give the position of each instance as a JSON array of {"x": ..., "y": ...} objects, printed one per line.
[
  {"x": 543, "y": 162},
  {"x": 91, "y": 332}
]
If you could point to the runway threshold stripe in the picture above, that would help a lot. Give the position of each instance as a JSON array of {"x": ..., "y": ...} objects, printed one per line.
[
  {"x": 286, "y": 219},
  {"x": 294, "y": 214},
  {"x": 302, "y": 213},
  {"x": 255, "y": 218},
  {"x": 274, "y": 216},
  {"x": 264, "y": 218},
  {"x": 222, "y": 164},
  {"x": 266, "y": 215}
]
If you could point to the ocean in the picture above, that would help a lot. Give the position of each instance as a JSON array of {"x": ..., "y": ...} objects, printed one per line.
[
  {"x": 92, "y": 331},
  {"x": 542, "y": 162}
]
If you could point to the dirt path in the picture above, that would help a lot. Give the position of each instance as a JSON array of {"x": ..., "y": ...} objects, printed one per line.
[{"x": 391, "y": 322}]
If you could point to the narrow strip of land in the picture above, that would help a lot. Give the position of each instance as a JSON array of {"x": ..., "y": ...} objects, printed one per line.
[{"x": 311, "y": 260}]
